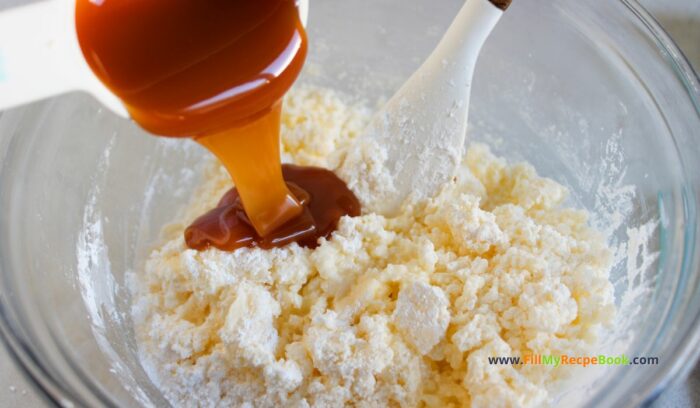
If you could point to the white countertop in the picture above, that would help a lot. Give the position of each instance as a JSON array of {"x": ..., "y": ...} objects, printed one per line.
[{"x": 681, "y": 18}]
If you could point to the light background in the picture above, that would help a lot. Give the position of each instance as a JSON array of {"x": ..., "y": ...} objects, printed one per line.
[{"x": 681, "y": 18}]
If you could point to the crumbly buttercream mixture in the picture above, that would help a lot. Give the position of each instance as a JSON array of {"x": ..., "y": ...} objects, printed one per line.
[{"x": 387, "y": 312}]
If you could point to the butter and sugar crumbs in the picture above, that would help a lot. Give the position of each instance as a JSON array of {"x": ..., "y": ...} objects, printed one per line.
[{"x": 400, "y": 311}]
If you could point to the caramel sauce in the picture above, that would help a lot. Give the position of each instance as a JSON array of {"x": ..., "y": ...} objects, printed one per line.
[
  {"x": 216, "y": 71},
  {"x": 325, "y": 199}
]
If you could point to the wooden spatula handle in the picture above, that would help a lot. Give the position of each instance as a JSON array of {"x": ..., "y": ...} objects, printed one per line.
[{"x": 501, "y": 4}]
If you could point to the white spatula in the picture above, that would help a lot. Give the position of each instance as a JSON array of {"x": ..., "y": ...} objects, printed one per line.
[
  {"x": 40, "y": 56},
  {"x": 422, "y": 128}
]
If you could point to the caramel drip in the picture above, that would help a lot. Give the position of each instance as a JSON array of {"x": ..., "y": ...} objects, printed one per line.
[{"x": 324, "y": 197}]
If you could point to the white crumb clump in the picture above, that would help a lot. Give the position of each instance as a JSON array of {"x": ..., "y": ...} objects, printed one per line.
[
  {"x": 362, "y": 168},
  {"x": 249, "y": 325},
  {"x": 421, "y": 315},
  {"x": 401, "y": 311}
]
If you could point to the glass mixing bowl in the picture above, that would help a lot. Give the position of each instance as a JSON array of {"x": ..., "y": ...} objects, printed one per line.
[{"x": 594, "y": 94}]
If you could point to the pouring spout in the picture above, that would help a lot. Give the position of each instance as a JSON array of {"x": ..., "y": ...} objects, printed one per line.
[{"x": 40, "y": 56}]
